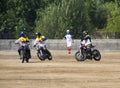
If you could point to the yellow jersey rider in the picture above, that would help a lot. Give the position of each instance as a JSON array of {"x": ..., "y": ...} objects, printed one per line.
[
  {"x": 23, "y": 41},
  {"x": 40, "y": 45},
  {"x": 40, "y": 40}
]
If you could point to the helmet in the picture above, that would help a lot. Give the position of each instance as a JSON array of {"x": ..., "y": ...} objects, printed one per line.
[
  {"x": 85, "y": 32},
  {"x": 38, "y": 33},
  {"x": 22, "y": 33}
]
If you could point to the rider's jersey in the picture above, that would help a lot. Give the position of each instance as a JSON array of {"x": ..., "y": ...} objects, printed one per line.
[
  {"x": 22, "y": 41},
  {"x": 40, "y": 40},
  {"x": 86, "y": 40},
  {"x": 87, "y": 37}
]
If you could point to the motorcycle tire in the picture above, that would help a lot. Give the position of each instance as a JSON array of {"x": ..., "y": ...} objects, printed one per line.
[
  {"x": 27, "y": 56},
  {"x": 27, "y": 60},
  {"x": 50, "y": 57},
  {"x": 79, "y": 56},
  {"x": 48, "y": 54},
  {"x": 22, "y": 56},
  {"x": 96, "y": 55},
  {"x": 39, "y": 56}
]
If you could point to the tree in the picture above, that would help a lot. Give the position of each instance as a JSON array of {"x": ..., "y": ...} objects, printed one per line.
[
  {"x": 98, "y": 14},
  {"x": 13, "y": 11},
  {"x": 54, "y": 17},
  {"x": 68, "y": 14},
  {"x": 8, "y": 17},
  {"x": 113, "y": 17}
]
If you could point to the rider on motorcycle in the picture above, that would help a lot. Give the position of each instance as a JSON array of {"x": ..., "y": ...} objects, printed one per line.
[
  {"x": 86, "y": 41},
  {"x": 86, "y": 49},
  {"x": 39, "y": 42},
  {"x": 23, "y": 41}
]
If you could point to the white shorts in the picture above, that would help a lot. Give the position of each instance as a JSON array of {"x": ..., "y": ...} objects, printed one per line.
[{"x": 69, "y": 43}]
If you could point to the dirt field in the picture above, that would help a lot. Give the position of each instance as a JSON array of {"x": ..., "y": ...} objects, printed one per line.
[{"x": 62, "y": 72}]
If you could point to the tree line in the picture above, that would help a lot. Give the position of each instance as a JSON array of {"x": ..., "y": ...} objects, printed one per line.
[{"x": 53, "y": 17}]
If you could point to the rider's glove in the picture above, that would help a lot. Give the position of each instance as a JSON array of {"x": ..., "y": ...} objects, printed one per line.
[{"x": 40, "y": 41}]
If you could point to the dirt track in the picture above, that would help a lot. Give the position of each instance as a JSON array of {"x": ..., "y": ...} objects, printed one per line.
[{"x": 62, "y": 72}]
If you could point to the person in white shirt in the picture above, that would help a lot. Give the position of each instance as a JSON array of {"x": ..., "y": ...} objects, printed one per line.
[{"x": 69, "y": 41}]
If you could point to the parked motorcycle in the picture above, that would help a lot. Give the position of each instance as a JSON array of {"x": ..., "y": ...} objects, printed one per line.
[{"x": 85, "y": 52}]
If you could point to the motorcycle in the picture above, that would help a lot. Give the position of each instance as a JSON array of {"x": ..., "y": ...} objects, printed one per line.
[
  {"x": 85, "y": 52},
  {"x": 24, "y": 55},
  {"x": 24, "y": 51},
  {"x": 43, "y": 53}
]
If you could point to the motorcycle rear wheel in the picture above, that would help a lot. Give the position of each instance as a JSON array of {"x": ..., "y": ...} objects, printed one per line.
[
  {"x": 50, "y": 57},
  {"x": 96, "y": 55}
]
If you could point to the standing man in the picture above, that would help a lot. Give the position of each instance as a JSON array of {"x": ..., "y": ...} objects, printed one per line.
[{"x": 69, "y": 41}]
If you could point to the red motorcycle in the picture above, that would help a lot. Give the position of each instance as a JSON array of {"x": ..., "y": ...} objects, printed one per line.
[{"x": 86, "y": 52}]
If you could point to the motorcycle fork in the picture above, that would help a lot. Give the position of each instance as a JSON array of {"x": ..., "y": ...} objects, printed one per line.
[
  {"x": 82, "y": 51},
  {"x": 40, "y": 51}
]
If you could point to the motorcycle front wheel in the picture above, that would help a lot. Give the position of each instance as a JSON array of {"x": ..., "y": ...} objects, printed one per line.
[
  {"x": 79, "y": 56},
  {"x": 40, "y": 57},
  {"x": 22, "y": 55}
]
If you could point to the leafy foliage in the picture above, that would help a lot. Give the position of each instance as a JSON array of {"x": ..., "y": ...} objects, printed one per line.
[
  {"x": 67, "y": 15},
  {"x": 53, "y": 17},
  {"x": 113, "y": 17}
]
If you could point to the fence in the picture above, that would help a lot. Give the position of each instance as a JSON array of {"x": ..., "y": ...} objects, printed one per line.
[{"x": 59, "y": 44}]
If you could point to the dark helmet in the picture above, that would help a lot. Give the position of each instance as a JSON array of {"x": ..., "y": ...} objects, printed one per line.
[
  {"x": 38, "y": 33},
  {"x": 22, "y": 33},
  {"x": 85, "y": 32}
]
